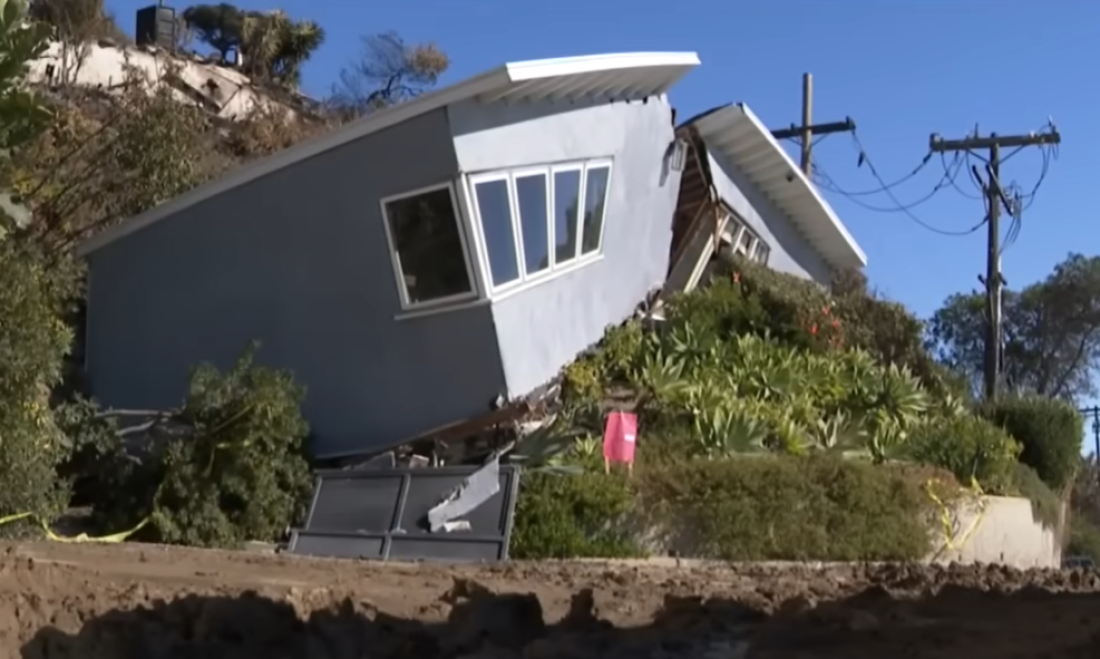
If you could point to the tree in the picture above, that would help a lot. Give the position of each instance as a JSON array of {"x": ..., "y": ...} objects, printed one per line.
[
  {"x": 388, "y": 71},
  {"x": 275, "y": 47},
  {"x": 33, "y": 297},
  {"x": 219, "y": 26},
  {"x": 1051, "y": 332}
]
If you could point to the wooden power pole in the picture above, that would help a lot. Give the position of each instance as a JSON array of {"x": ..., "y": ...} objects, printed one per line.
[
  {"x": 807, "y": 130},
  {"x": 995, "y": 197}
]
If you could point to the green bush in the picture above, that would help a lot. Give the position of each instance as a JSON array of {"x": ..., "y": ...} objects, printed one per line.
[
  {"x": 1084, "y": 540},
  {"x": 236, "y": 472},
  {"x": 1046, "y": 507},
  {"x": 968, "y": 447},
  {"x": 790, "y": 508},
  {"x": 1049, "y": 431},
  {"x": 34, "y": 294},
  {"x": 572, "y": 516}
]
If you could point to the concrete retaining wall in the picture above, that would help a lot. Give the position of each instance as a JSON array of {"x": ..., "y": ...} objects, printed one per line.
[{"x": 1001, "y": 530}]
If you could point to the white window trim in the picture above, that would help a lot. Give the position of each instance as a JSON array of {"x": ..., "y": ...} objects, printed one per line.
[
  {"x": 517, "y": 221},
  {"x": 594, "y": 164},
  {"x": 395, "y": 258},
  {"x": 554, "y": 269},
  {"x": 517, "y": 235},
  {"x": 553, "y": 220}
]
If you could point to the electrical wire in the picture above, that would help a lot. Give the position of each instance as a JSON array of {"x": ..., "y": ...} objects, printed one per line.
[
  {"x": 958, "y": 162},
  {"x": 887, "y": 188}
]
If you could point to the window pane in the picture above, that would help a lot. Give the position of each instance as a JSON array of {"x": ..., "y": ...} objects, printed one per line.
[
  {"x": 567, "y": 192},
  {"x": 595, "y": 200},
  {"x": 425, "y": 233},
  {"x": 495, "y": 209},
  {"x": 531, "y": 199},
  {"x": 746, "y": 240}
]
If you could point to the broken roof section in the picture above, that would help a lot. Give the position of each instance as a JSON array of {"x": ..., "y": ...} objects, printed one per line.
[
  {"x": 735, "y": 134},
  {"x": 609, "y": 77}
]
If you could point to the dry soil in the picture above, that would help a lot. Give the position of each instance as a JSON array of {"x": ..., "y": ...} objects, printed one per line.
[{"x": 145, "y": 602}]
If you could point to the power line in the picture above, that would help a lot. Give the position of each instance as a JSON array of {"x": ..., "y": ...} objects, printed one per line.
[{"x": 887, "y": 188}]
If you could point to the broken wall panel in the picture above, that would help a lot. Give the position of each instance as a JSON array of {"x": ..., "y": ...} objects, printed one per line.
[{"x": 383, "y": 515}]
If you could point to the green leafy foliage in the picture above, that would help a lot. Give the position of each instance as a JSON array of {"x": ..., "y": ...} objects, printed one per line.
[
  {"x": 1084, "y": 540},
  {"x": 33, "y": 343},
  {"x": 1052, "y": 346},
  {"x": 969, "y": 447},
  {"x": 788, "y": 508},
  {"x": 35, "y": 292},
  {"x": 1046, "y": 505},
  {"x": 230, "y": 465},
  {"x": 1049, "y": 431},
  {"x": 573, "y": 516}
]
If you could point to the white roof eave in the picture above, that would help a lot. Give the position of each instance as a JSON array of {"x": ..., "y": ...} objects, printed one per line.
[{"x": 746, "y": 143}]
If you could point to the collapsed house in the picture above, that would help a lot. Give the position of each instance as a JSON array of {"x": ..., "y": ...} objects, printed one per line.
[{"x": 432, "y": 261}]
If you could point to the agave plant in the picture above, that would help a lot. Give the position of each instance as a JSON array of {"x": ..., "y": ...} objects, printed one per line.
[{"x": 723, "y": 432}]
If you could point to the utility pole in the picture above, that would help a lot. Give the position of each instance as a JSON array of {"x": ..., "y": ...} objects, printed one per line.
[
  {"x": 807, "y": 130},
  {"x": 995, "y": 198}
]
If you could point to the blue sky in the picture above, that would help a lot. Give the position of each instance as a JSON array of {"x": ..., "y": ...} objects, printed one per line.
[{"x": 901, "y": 69}]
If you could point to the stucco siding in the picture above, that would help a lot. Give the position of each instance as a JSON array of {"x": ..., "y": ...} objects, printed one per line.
[
  {"x": 298, "y": 260},
  {"x": 790, "y": 251},
  {"x": 542, "y": 328}
]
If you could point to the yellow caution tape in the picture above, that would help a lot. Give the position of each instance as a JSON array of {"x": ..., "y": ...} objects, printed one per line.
[
  {"x": 950, "y": 543},
  {"x": 114, "y": 538}
]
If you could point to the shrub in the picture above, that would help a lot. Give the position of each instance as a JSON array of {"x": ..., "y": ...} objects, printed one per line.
[
  {"x": 237, "y": 470},
  {"x": 1049, "y": 431},
  {"x": 790, "y": 508},
  {"x": 967, "y": 446},
  {"x": 34, "y": 295},
  {"x": 572, "y": 516},
  {"x": 1084, "y": 540},
  {"x": 1046, "y": 506}
]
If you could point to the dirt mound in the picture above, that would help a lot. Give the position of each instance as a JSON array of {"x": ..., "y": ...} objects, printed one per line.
[{"x": 61, "y": 601}]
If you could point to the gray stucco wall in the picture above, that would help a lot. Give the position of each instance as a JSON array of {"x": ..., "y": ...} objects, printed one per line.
[
  {"x": 299, "y": 260},
  {"x": 791, "y": 252},
  {"x": 542, "y": 328}
]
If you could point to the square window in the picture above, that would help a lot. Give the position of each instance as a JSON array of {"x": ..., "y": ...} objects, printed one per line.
[
  {"x": 424, "y": 234},
  {"x": 532, "y": 203},
  {"x": 494, "y": 205},
  {"x": 595, "y": 204},
  {"x": 567, "y": 192}
]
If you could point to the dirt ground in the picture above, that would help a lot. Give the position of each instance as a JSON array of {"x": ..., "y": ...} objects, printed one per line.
[{"x": 145, "y": 602}]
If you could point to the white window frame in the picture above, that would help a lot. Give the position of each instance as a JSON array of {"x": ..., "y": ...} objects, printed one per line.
[
  {"x": 593, "y": 164},
  {"x": 554, "y": 269},
  {"x": 395, "y": 258},
  {"x": 517, "y": 221},
  {"x": 517, "y": 237}
]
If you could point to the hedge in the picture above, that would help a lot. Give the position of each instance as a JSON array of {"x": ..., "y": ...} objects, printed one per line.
[
  {"x": 751, "y": 509},
  {"x": 1049, "y": 431}
]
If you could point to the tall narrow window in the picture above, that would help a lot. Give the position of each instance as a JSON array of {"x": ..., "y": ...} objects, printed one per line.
[
  {"x": 495, "y": 207},
  {"x": 567, "y": 192},
  {"x": 428, "y": 249},
  {"x": 595, "y": 204},
  {"x": 531, "y": 200}
]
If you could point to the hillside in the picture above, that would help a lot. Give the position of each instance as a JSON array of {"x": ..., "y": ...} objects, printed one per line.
[{"x": 132, "y": 125}]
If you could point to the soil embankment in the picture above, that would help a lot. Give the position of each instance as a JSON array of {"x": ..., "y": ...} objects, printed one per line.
[{"x": 103, "y": 602}]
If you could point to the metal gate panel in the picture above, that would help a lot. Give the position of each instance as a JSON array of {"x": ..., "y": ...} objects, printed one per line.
[{"x": 382, "y": 515}]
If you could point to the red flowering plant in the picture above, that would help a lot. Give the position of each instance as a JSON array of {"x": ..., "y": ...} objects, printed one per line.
[{"x": 824, "y": 328}]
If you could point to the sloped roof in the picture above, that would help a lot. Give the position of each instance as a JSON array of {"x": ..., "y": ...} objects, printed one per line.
[
  {"x": 611, "y": 77},
  {"x": 736, "y": 134}
]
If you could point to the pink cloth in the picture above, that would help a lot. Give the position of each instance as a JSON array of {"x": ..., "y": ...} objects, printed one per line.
[{"x": 620, "y": 436}]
